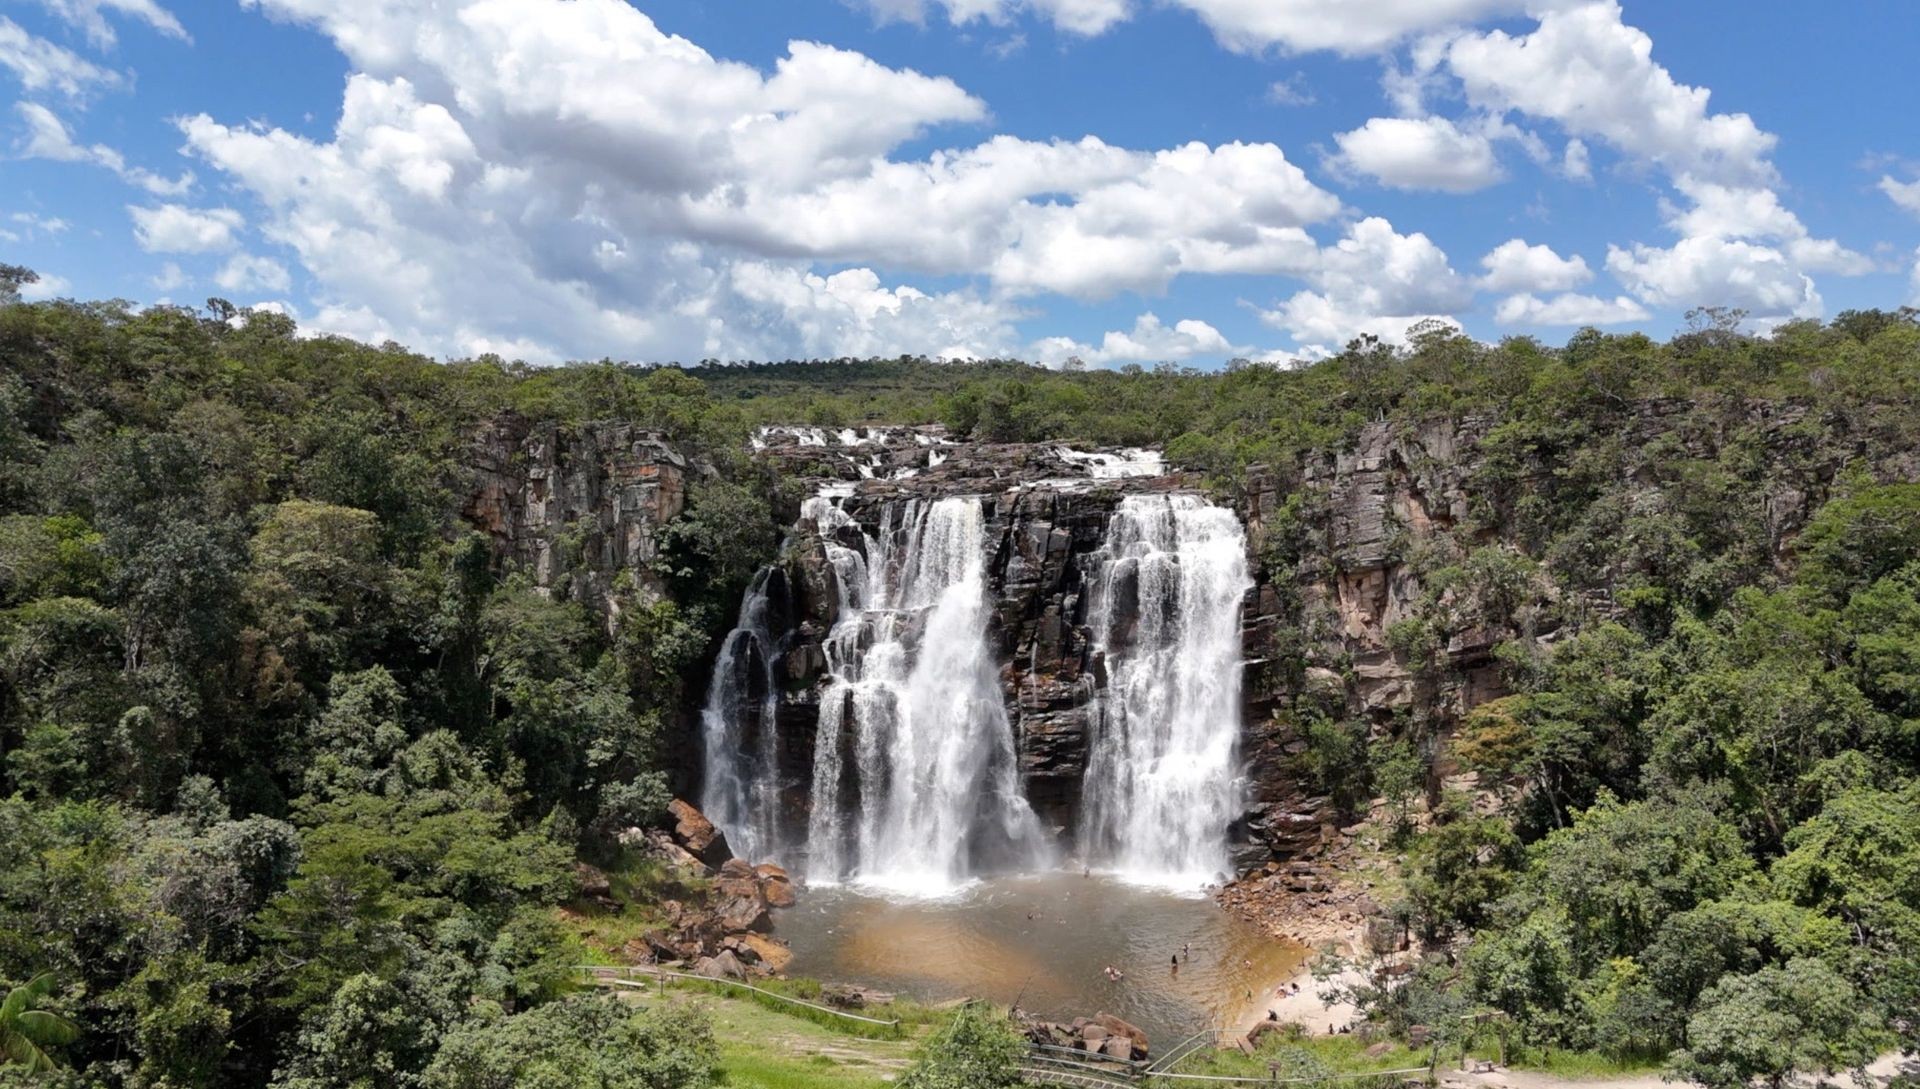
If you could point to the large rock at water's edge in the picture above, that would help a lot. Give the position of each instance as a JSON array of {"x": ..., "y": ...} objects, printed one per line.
[
  {"x": 771, "y": 953},
  {"x": 694, "y": 832},
  {"x": 739, "y": 914},
  {"x": 1118, "y": 1027},
  {"x": 776, "y": 888}
]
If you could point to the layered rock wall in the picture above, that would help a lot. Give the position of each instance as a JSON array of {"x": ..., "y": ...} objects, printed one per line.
[
  {"x": 578, "y": 509},
  {"x": 1344, "y": 543}
]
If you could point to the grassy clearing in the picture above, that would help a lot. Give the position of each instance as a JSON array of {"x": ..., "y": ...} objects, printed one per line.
[
  {"x": 766, "y": 1049},
  {"x": 1306, "y": 1056},
  {"x": 1578, "y": 1064}
]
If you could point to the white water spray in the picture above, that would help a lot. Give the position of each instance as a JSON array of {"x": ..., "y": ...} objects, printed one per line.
[
  {"x": 1162, "y": 781},
  {"x": 741, "y": 793},
  {"x": 915, "y": 786}
]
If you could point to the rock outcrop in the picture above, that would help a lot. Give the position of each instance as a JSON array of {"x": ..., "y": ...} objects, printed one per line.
[
  {"x": 721, "y": 928},
  {"x": 1103, "y": 1034},
  {"x": 576, "y": 508}
]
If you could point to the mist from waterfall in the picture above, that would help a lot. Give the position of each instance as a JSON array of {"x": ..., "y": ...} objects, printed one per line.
[
  {"x": 739, "y": 728},
  {"x": 1163, "y": 777},
  {"x": 915, "y": 786}
]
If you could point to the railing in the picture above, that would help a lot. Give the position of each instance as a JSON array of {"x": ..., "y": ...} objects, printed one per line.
[
  {"x": 1274, "y": 1080},
  {"x": 1183, "y": 1050},
  {"x": 1087, "y": 1075},
  {"x": 606, "y": 973}
]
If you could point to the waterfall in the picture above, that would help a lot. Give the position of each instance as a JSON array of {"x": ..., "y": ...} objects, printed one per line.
[
  {"x": 915, "y": 785},
  {"x": 1162, "y": 779},
  {"x": 739, "y": 726}
]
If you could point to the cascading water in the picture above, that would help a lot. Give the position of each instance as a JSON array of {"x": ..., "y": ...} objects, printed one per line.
[
  {"x": 739, "y": 726},
  {"x": 915, "y": 787},
  {"x": 1162, "y": 780}
]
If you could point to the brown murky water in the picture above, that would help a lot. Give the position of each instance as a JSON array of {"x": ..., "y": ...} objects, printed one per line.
[{"x": 1043, "y": 940}]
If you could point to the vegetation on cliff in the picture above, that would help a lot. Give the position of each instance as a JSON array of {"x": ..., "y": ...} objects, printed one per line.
[{"x": 295, "y": 772}]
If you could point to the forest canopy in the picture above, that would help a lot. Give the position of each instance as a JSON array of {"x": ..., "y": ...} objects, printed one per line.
[{"x": 295, "y": 773}]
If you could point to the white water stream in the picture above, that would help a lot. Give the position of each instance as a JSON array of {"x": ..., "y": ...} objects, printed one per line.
[
  {"x": 915, "y": 787},
  {"x": 1163, "y": 778}
]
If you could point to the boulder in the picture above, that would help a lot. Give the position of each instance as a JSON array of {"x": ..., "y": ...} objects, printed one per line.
[
  {"x": 846, "y": 996},
  {"x": 772, "y": 953},
  {"x": 735, "y": 867},
  {"x": 1117, "y": 1047},
  {"x": 778, "y": 894},
  {"x": 693, "y": 831},
  {"x": 738, "y": 914},
  {"x": 662, "y": 846},
  {"x": 1118, "y": 1027},
  {"x": 593, "y": 883},
  {"x": 727, "y": 887},
  {"x": 767, "y": 871},
  {"x": 722, "y": 966}
]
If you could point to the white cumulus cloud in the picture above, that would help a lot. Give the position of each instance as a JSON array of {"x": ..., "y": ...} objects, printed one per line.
[
  {"x": 1149, "y": 341},
  {"x": 1568, "y": 309},
  {"x": 1374, "y": 280},
  {"x": 1420, "y": 153},
  {"x": 568, "y": 179},
  {"x": 1716, "y": 271},
  {"x": 249, "y": 272},
  {"x": 175, "y": 228},
  {"x": 1515, "y": 266},
  {"x": 91, "y": 17},
  {"x": 1079, "y": 16}
]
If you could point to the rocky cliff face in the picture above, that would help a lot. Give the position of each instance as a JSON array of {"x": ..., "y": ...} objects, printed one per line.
[
  {"x": 1348, "y": 544},
  {"x": 578, "y": 510},
  {"x": 1046, "y": 515}
]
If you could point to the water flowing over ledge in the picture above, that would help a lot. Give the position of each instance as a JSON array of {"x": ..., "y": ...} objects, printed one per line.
[
  {"x": 867, "y": 722},
  {"x": 1163, "y": 772},
  {"x": 914, "y": 787}
]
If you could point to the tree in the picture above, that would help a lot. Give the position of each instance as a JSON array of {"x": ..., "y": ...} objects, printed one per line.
[
  {"x": 1803, "y": 1017},
  {"x": 978, "y": 1049},
  {"x": 27, "y": 1031},
  {"x": 12, "y": 279},
  {"x": 585, "y": 1042}
]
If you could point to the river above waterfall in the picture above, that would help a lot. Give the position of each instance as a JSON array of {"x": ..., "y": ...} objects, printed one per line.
[{"x": 1043, "y": 940}]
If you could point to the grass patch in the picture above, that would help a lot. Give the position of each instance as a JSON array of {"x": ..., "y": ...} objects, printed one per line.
[
  {"x": 1577, "y": 1064},
  {"x": 1306, "y": 1056},
  {"x": 760, "y": 1070},
  {"x": 770, "y": 1049}
]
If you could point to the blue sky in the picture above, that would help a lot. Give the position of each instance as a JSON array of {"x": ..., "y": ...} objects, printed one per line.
[{"x": 1118, "y": 180}]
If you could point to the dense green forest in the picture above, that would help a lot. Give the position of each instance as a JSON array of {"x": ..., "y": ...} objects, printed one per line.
[{"x": 294, "y": 776}]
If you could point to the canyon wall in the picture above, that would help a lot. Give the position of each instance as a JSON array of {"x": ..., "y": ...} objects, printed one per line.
[{"x": 1348, "y": 548}]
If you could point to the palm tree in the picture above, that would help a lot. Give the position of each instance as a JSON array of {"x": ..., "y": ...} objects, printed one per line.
[{"x": 25, "y": 1032}]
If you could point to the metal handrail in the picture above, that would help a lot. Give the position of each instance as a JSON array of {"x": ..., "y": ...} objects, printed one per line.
[
  {"x": 1223, "y": 1078},
  {"x": 596, "y": 970},
  {"x": 1180, "y": 1051},
  {"x": 1082, "y": 1052}
]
